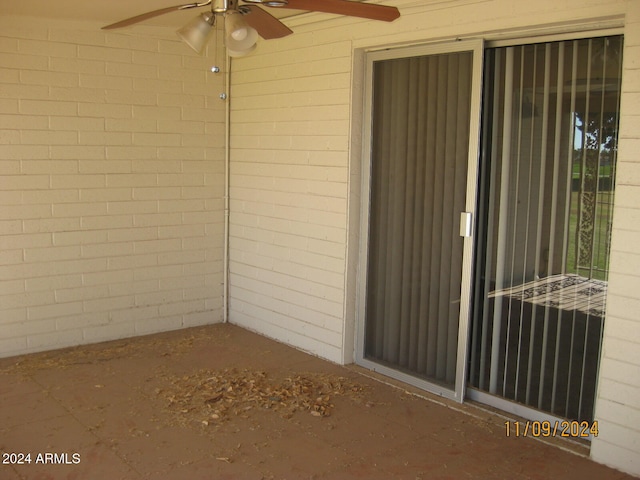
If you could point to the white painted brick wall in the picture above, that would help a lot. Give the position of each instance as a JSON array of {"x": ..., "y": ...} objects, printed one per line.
[
  {"x": 290, "y": 117},
  {"x": 618, "y": 403},
  {"x": 111, "y": 180},
  {"x": 111, "y": 185},
  {"x": 295, "y": 182}
]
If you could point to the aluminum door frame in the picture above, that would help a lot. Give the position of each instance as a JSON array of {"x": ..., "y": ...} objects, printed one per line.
[{"x": 477, "y": 49}]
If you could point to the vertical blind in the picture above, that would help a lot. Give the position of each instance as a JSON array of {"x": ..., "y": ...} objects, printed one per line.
[
  {"x": 421, "y": 109},
  {"x": 546, "y": 195}
]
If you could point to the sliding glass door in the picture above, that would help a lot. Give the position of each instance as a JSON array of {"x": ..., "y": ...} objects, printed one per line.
[
  {"x": 424, "y": 118},
  {"x": 545, "y": 210},
  {"x": 525, "y": 197}
]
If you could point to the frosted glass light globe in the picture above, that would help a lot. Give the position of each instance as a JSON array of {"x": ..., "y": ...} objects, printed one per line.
[{"x": 239, "y": 34}]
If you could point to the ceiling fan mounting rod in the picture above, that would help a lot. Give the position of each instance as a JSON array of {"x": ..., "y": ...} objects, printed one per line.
[{"x": 221, "y": 6}]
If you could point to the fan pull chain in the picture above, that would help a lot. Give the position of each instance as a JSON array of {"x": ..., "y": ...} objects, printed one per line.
[
  {"x": 215, "y": 68},
  {"x": 219, "y": 42}
]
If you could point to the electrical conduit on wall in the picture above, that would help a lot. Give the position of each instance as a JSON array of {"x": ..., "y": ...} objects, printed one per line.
[{"x": 227, "y": 141}]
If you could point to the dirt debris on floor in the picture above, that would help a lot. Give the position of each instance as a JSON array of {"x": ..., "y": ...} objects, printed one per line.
[
  {"x": 221, "y": 402},
  {"x": 211, "y": 397},
  {"x": 118, "y": 349}
]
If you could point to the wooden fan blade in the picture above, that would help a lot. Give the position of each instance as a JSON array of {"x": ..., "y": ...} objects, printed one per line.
[
  {"x": 346, "y": 7},
  {"x": 266, "y": 25},
  {"x": 155, "y": 13}
]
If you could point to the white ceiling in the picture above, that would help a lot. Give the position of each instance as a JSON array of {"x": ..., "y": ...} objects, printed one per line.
[{"x": 110, "y": 11}]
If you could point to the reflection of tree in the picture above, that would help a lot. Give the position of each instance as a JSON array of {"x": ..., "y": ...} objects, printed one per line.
[
  {"x": 594, "y": 160},
  {"x": 596, "y": 128}
]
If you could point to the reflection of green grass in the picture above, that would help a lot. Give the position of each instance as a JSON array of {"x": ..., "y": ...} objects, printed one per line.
[
  {"x": 601, "y": 247},
  {"x": 604, "y": 171}
]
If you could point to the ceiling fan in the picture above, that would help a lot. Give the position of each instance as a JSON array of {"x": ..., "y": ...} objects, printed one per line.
[{"x": 246, "y": 19}]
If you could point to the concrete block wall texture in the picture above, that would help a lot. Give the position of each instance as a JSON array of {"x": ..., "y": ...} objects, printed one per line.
[
  {"x": 289, "y": 183},
  {"x": 618, "y": 402},
  {"x": 111, "y": 178},
  {"x": 295, "y": 182},
  {"x": 111, "y": 184}
]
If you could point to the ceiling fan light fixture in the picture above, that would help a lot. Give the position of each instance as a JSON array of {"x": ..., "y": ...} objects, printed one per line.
[
  {"x": 196, "y": 33},
  {"x": 240, "y": 37},
  {"x": 241, "y": 53},
  {"x": 243, "y": 35}
]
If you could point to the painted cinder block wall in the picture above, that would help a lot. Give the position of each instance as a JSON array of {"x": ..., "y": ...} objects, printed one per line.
[
  {"x": 295, "y": 182},
  {"x": 111, "y": 184},
  {"x": 111, "y": 166},
  {"x": 618, "y": 402}
]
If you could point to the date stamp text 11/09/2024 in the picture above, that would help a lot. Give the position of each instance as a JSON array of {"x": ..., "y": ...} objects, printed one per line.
[{"x": 547, "y": 429}]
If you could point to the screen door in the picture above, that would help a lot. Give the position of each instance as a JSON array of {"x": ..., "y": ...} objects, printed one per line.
[{"x": 423, "y": 110}]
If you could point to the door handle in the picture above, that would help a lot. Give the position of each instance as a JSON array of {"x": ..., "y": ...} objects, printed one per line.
[{"x": 466, "y": 224}]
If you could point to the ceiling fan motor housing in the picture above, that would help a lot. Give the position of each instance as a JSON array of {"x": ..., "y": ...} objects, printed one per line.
[
  {"x": 222, "y": 6},
  {"x": 270, "y": 3}
]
